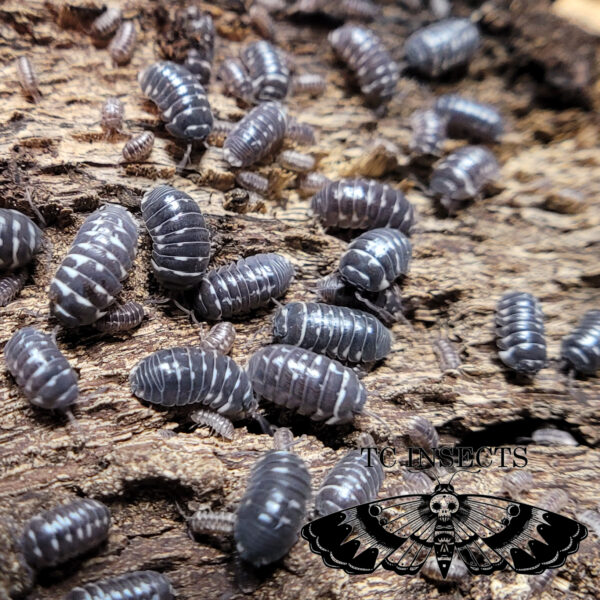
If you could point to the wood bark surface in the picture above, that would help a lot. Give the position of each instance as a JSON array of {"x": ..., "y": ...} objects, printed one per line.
[{"x": 521, "y": 236}]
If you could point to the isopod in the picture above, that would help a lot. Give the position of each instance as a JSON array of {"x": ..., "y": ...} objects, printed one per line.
[
  {"x": 268, "y": 72},
  {"x": 200, "y": 30},
  {"x": 252, "y": 181},
  {"x": 99, "y": 259},
  {"x": 20, "y": 239},
  {"x": 307, "y": 383},
  {"x": 311, "y": 183},
  {"x": 121, "y": 318},
  {"x": 447, "y": 355},
  {"x": 260, "y": 132},
  {"x": 375, "y": 259},
  {"x": 186, "y": 375},
  {"x": 516, "y": 482},
  {"x": 580, "y": 349},
  {"x": 345, "y": 334},
  {"x": 220, "y": 131},
  {"x": 428, "y": 132},
  {"x": 441, "y": 46},
  {"x": 212, "y": 522},
  {"x": 137, "y": 585},
  {"x": 10, "y": 286},
  {"x": 300, "y": 133},
  {"x": 520, "y": 332},
  {"x": 470, "y": 119},
  {"x": 41, "y": 370},
  {"x": 213, "y": 420},
  {"x": 422, "y": 432},
  {"x": 362, "y": 204},
  {"x": 107, "y": 23},
  {"x": 28, "y": 78},
  {"x": 111, "y": 117},
  {"x": 261, "y": 21},
  {"x": 537, "y": 583},
  {"x": 363, "y": 10},
  {"x": 365, "y": 54},
  {"x": 555, "y": 500},
  {"x": 122, "y": 45},
  {"x": 243, "y": 286},
  {"x": 591, "y": 518},
  {"x": 553, "y": 437},
  {"x": 310, "y": 84},
  {"x": 296, "y": 161},
  {"x": 220, "y": 338},
  {"x": 416, "y": 482},
  {"x": 139, "y": 148},
  {"x": 180, "y": 238},
  {"x": 236, "y": 80},
  {"x": 62, "y": 533}
]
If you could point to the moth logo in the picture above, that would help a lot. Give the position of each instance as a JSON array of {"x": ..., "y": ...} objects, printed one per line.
[{"x": 487, "y": 533}]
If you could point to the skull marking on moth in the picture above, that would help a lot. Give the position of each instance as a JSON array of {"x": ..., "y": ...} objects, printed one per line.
[{"x": 444, "y": 506}]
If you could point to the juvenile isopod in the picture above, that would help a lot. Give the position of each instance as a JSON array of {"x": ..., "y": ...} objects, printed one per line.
[
  {"x": 591, "y": 518},
  {"x": 365, "y": 54},
  {"x": 121, "y": 318},
  {"x": 580, "y": 349},
  {"x": 261, "y": 21},
  {"x": 375, "y": 259},
  {"x": 362, "y": 204},
  {"x": 555, "y": 500},
  {"x": 139, "y": 147},
  {"x": 252, "y": 181},
  {"x": 260, "y": 132},
  {"x": 200, "y": 30},
  {"x": 89, "y": 278},
  {"x": 428, "y": 132},
  {"x": 463, "y": 175},
  {"x": 470, "y": 119},
  {"x": 441, "y": 46},
  {"x": 296, "y": 161},
  {"x": 236, "y": 80},
  {"x": 242, "y": 287},
  {"x": 111, "y": 117},
  {"x": 220, "y": 338},
  {"x": 447, "y": 355},
  {"x": 62, "y": 533},
  {"x": 362, "y": 10},
  {"x": 307, "y": 383},
  {"x": 345, "y": 334},
  {"x": 300, "y": 133},
  {"x": 311, "y": 183},
  {"x": 10, "y": 285},
  {"x": 20, "y": 239},
  {"x": 137, "y": 585},
  {"x": 205, "y": 522},
  {"x": 214, "y": 421},
  {"x": 180, "y": 238},
  {"x": 41, "y": 370},
  {"x": 553, "y": 437},
  {"x": 268, "y": 72},
  {"x": 122, "y": 45},
  {"x": 516, "y": 482},
  {"x": 107, "y": 23},
  {"x": 423, "y": 433},
  {"x": 185, "y": 375},
  {"x": 416, "y": 482},
  {"x": 310, "y": 84},
  {"x": 28, "y": 78},
  {"x": 520, "y": 332}
]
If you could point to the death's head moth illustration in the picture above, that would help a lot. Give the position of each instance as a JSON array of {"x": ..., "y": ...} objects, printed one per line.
[{"x": 487, "y": 533}]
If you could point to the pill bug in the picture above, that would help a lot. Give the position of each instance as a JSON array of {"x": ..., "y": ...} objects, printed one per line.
[
  {"x": 99, "y": 259},
  {"x": 10, "y": 286},
  {"x": 447, "y": 356},
  {"x": 307, "y": 383},
  {"x": 555, "y": 500},
  {"x": 220, "y": 130},
  {"x": 553, "y": 437},
  {"x": 121, "y": 318},
  {"x": 256, "y": 135},
  {"x": 591, "y": 518},
  {"x": 122, "y": 45},
  {"x": 137, "y": 585},
  {"x": 200, "y": 30},
  {"x": 580, "y": 349},
  {"x": 273, "y": 508},
  {"x": 236, "y": 80},
  {"x": 352, "y": 481},
  {"x": 345, "y": 334},
  {"x": 310, "y": 84},
  {"x": 205, "y": 522},
  {"x": 441, "y": 46},
  {"x": 28, "y": 78},
  {"x": 184, "y": 375},
  {"x": 428, "y": 132},
  {"x": 364, "y": 53},
  {"x": 268, "y": 72},
  {"x": 220, "y": 338},
  {"x": 375, "y": 259},
  {"x": 470, "y": 119},
  {"x": 139, "y": 147},
  {"x": 296, "y": 161},
  {"x": 180, "y": 239},
  {"x": 300, "y": 133},
  {"x": 252, "y": 181},
  {"x": 62, "y": 533},
  {"x": 516, "y": 482},
  {"x": 362, "y": 10},
  {"x": 311, "y": 183},
  {"x": 107, "y": 23},
  {"x": 362, "y": 204},
  {"x": 41, "y": 370},
  {"x": 261, "y": 21},
  {"x": 463, "y": 175},
  {"x": 520, "y": 333},
  {"x": 111, "y": 117},
  {"x": 243, "y": 286},
  {"x": 416, "y": 482},
  {"x": 20, "y": 239},
  {"x": 218, "y": 423},
  {"x": 456, "y": 573},
  {"x": 422, "y": 432}
]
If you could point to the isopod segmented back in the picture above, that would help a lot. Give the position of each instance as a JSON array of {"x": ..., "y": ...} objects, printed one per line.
[
  {"x": 268, "y": 72},
  {"x": 20, "y": 239},
  {"x": 580, "y": 349},
  {"x": 138, "y": 585}
]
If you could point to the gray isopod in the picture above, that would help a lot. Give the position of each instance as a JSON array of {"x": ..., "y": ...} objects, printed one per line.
[
  {"x": 260, "y": 132},
  {"x": 441, "y": 46},
  {"x": 555, "y": 500},
  {"x": 470, "y": 119},
  {"x": 307, "y": 383},
  {"x": 463, "y": 175},
  {"x": 516, "y": 482},
  {"x": 139, "y": 147},
  {"x": 548, "y": 436},
  {"x": 220, "y": 338},
  {"x": 252, "y": 182},
  {"x": 423, "y": 433},
  {"x": 218, "y": 423},
  {"x": 311, "y": 84},
  {"x": 11, "y": 284},
  {"x": 311, "y": 183},
  {"x": 261, "y": 21},
  {"x": 121, "y": 318},
  {"x": 186, "y": 375},
  {"x": 296, "y": 161},
  {"x": 122, "y": 45},
  {"x": 89, "y": 278},
  {"x": 200, "y": 30},
  {"x": 41, "y": 370},
  {"x": 212, "y": 522},
  {"x": 137, "y": 585},
  {"x": 107, "y": 23},
  {"x": 345, "y": 334},
  {"x": 428, "y": 132},
  {"x": 362, "y": 204},
  {"x": 64, "y": 532},
  {"x": 447, "y": 355},
  {"x": 301, "y": 133},
  {"x": 268, "y": 72},
  {"x": 580, "y": 349},
  {"x": 20, "y": 239},
  {"x": 111, "y": 117},
  {"x": 363, "y": 51},
  {"x": 520, "y": 332},
  {"x": 28, "y": 78},
  {"x": 235, "y": 79},
  {"x": 180, "y": 238},
  {"x": 375, "y": 259},
  {"x": 591, "y": 518},
  {"x": 243, "y": 286}
]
